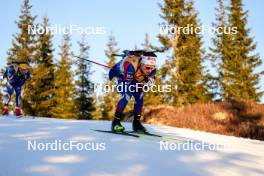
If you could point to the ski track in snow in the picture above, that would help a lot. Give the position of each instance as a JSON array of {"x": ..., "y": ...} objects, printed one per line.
[{"x": 124, "y": 155}]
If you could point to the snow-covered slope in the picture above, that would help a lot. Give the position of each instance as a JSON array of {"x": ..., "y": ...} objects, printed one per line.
[{"x": 115, "y": 155}]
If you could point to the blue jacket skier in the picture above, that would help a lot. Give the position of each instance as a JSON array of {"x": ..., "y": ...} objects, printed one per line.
[
  {"x": 134, "y": 70},
  {"x": 14, "y": 78}
]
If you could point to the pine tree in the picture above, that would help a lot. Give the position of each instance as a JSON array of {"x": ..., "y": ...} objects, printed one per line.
[
  {"x": 64, "y": 88},
  {"x": 192, "y": 83},
  {"x": 23, "y": 44},
  {"x": 232, "y": 55},
  {"x": 240, "y": 80},
  {"x": 42, "y": 92},
  {"x": 184, "y": 70},
  {"x": 217, "y": 51},
  {"x": 109, "y": 99},
  {"x": 84, "y": 92},
  {"x": 172, "y": 14}
]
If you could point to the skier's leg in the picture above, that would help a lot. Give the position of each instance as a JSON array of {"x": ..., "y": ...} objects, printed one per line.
[
  {"x": 18, "y": 100},
  {"x": 9, "y": 90},
  {"x": 116, "y": 125},
  {"x": 121, "y": 105},
  {"x": 138, "y": 106},
  {"x": 18, "y": 96}
]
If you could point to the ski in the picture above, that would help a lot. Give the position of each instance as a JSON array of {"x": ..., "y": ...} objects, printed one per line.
[
  {"x": 17, "y": 117},
  {"x": 121, "y": 133},
  {"x": 23, "y": 116},
  {"x": 161, "y": 137},
  {"x": 146, "y": 134}
]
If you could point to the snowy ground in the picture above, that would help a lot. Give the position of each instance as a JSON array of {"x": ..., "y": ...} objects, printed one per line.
[{"x": 123, "y": 156}]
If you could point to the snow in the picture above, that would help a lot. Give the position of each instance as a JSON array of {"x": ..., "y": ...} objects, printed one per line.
[{"x": 116, "y": 155}]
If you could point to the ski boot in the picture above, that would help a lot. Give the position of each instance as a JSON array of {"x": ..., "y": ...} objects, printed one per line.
[
  {"x": 137, "y": 125},
  {"x": 116, "y": 125},
  {"x": 5, "y": 110},
  {"x": 18, "y": 111}
]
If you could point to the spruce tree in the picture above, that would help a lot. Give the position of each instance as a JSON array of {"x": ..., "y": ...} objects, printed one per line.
[
  {"x": 232, "y": 54},
  {"x": 85, "y": 88},
  {"x": 64, "y": 96},
  {"x": 219, "y": 48},
  {"x": 239, "y": 79},
  {"x": 184, "y": 70},
  {"x": 42, "y": 92},
  {"x": 23, "y": 44}
]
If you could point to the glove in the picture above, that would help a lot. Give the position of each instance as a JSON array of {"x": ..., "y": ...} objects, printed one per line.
[
  {"x": 4, "y": 81},
  {"x": 150, "y": 82}
]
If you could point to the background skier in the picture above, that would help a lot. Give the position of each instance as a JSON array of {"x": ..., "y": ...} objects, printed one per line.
[{"x": 14, "y": 78}]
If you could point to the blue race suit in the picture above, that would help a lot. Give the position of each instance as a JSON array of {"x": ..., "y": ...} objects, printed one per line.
[
  {"x": 15, "y": 81},
  {"x": 128, "y": 72}
]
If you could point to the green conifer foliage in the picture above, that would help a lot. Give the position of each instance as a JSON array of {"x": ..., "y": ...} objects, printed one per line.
[
  {"x": 183, "y": 70},
  {"x": 41, "y": 94},
  {"x": 64, "y": 98},
  {"x": 85, "y": 87}
]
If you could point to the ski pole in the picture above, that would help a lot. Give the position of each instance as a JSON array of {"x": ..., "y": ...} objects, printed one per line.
[{"x": 88, "y": 60}]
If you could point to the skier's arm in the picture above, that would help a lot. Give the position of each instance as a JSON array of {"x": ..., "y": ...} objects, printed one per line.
[
  {"x": 115, "y": 72},
  {"x": 4, "y": 81},
  {"x": 7, "y": 74},
  {"x": 129, "y": 71}
]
